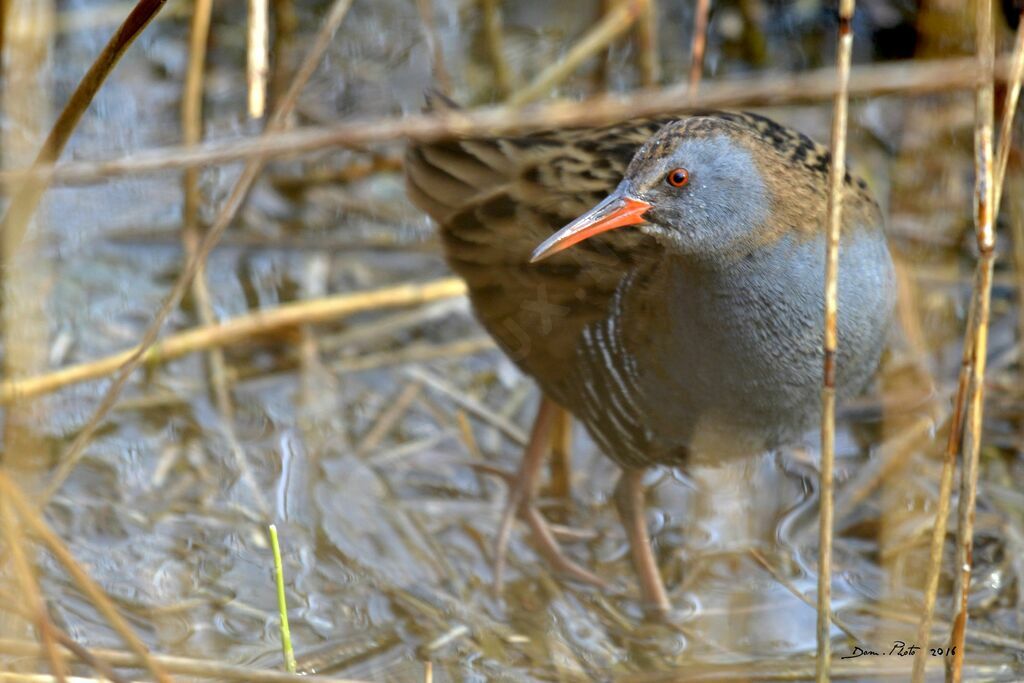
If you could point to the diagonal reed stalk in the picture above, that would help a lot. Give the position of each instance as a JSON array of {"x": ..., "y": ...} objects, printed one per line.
[
  {"x": 831, "y": 341},
  {"x": 192, "y": 132},
  {"x": 252, "y": 169},
  {"x": 30, "y": 517},
  {"x": 24, "y": 203},
  {"x": 976, "y": 330},
  {"x": 611, "y": 26},
  {"x": 11, "y": 532}
]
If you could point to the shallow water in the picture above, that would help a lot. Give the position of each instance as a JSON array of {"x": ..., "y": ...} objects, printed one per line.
[{"x": 387, "y": 534}]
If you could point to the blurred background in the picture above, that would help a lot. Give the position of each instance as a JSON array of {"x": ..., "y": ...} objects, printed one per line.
[{"x": 357, "y": 434}]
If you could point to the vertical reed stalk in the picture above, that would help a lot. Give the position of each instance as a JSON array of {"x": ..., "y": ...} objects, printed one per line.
[
  {"x": 23, "y": 316},
  {"x": 831, "y": 342},
  {"x": 970, "y": 362},
  {"x": 602, "y": 64},
  {"x": 257, "y": 56},
  {"x": 699, "y": 44},
  {"x": 984, "y": 216},
  {"x": 494, "y": 36},
  {"x": 192, "y": 133},
  {"x": 647, "y": 46},
  {"x": 560, "y": 463},
  {"x": 286, "y": 23}
]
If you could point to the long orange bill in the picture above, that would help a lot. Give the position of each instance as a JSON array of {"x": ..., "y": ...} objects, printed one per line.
[{"x": 614, "y": 212}]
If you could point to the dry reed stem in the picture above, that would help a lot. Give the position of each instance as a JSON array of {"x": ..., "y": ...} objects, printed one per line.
[
  {"x": 698, "y": 44},
  {"x": 797, "y": 593},
  {"x": 466, "y": 433},
  {"x": 560, "y": 460},
  {"x": 237, "y": 329},
  {"x": 599, "y": 77},
  {"x": 192, "y": 101},
  {"x": 611, "y": 26},
  {"x": 440, "y": 72},
  {"x": 192, "y": 131},
  {"x": 905, "y": 79},
  {"x": 79, "y": 651},
  {"x": 45, "y": 678},
  {"x": 938, "y": 537},
  {"x": 192, "y": 127},
  {"x": 984, "y": 216},
  {"x": 88, "y": 658},
  {"x": 831, "y": 341},
  {"x": 257, "y": 56},
  {"x": 232, "y": 204},
  {"x": 1009, "y": 111},
  {"x": 357, "y": 170},
  {"x": 25, "y": 575},
  {"x": 31, "y": 45},
  {"x": 24, "y": 203},
  {"x": 891, "y": 457},
  {"x": 647, "y": 60},
  {"x": 179, "y": 665},
  {"x": 285, "y": 25},
  {"x": 392, "y": 413},
  {"x": 28, "y": 514},
  {"x": 969, "y": 476},
  {"x": 979, "y": 303},
  {"x": 416, "y": 353},
  {"x": 494, "y": 38},
  {"x": 5, "y": 7},
  {"x": 799, "y": 669},
  {"x": 509, "y": 429}
]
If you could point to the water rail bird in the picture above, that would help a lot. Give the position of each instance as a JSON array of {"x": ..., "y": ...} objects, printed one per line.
[{"x": 662, "y": 280}]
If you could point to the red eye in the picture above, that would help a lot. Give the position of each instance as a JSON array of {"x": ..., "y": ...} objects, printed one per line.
[{"x": 678, "y": 177}]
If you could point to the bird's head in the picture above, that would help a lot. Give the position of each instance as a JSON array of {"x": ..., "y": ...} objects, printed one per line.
[{"x": 697, "y": 186}]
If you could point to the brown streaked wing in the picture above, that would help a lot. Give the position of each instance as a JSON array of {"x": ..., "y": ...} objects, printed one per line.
[{"x": 495, "y": 199}]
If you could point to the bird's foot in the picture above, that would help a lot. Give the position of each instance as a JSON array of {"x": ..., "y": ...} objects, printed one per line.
[{"x": 522, "y": 503}]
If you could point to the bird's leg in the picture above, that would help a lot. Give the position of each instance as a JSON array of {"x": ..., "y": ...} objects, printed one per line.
[
  {"x": 560, "y": 463},
  {"x": 629, "y": 498},
  {"x": 522, "y": 492}
]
